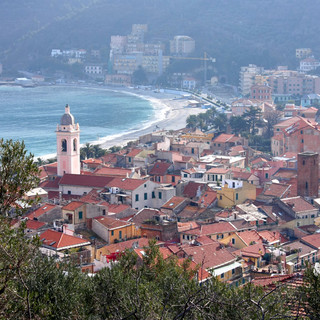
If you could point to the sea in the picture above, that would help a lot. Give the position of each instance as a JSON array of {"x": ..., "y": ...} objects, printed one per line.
[{"x": 32, "y": 114}]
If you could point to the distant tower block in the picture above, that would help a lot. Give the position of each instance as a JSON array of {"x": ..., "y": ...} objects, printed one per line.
[
  {"x": 308, "y": 174},
  {"x": 68, "y": 144}
]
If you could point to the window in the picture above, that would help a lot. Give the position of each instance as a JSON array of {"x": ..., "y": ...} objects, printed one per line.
[
  {"x": 104, "y": 212},
  {"x": 63, "y": 145},
  {"x": 137, "y": 197},
  {"x": 233, "y": 271},
  {"x": 301, "y": 131},
  {"x": 302, "y": 141},
  {"x": 306, "y": 185},
  {"x": 69, "y": 192},
  {"x": 192, "y": 150},
  {"x": 173, "y": 179},
  {"x": 237, "y": 196},
  {"x": 145, "y": 196},
  {"x": 112, "y": 232},
  {"x": 153, "y": 195},
  {"x": 222, "y": 275},
  {"x": 120, "y": 234},
  {"x": 80, "y": 215},
  {"x": 160, "y": 195},
  {"x": 74, "y": 144},
  {"x": 220, "y": 197},
  {"x": 233, "y": 240},
  {"x": 267, "y": 175},
  {"x": 233, "y": 184},
  {"x": 303, "y": 162},
  {"x": 185, "y": 175},
  {"x": 145, "y": 185},
  {"x": 129, "y": 159}
]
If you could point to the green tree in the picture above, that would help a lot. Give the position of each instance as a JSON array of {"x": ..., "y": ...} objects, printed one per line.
[
  {"x": 139, "y": 76},
  {"x": 253, "y": 117},
  {"x": 220, "y": 122},
  {"x": 238, "y": 124},
  {"x": 18, "y": 174}
]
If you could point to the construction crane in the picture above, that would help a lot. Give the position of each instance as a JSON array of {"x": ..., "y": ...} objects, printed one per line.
[{"x": 204, "y": 59}]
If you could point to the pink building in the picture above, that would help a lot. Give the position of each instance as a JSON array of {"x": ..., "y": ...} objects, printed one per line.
[{"x": 261, "y": 92}]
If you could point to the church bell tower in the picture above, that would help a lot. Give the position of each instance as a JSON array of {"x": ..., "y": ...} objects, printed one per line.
[{"x": 68, "y": 144}]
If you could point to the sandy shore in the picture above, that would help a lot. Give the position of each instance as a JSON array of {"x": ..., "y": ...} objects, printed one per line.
[{"x": 170, "y": 109}]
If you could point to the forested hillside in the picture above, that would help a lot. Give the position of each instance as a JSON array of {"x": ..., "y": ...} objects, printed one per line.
[{"x": 235, "y": 32}]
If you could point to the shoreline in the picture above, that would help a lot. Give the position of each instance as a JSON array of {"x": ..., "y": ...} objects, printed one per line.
[{"x": 171, "y": 107}]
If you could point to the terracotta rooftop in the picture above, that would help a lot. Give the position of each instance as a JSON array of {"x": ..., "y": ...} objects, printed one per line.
[
  {"x": 160, "y": 168},
  {"x": 218, "y": 170},
  {"x": 210, "y": 255},
  {"x": 42, "y": 210},
  {"x": 73, "y": 205},
  {"x": 313, "y": 240},
  {"x": 298, "y": 204},
  {"x": 224, "y": 137},
  {"x": 173, "y": 203},
  {"x": 285, "y": 173},
  {"x": 278, "y": 190},
  {"x": 34, "y": 225},
  {"x": 85, "y": 180},
  {"x": 111, "y": 223},
  {"x": 60, "y": 241},
  {"x": 126, "y": 183},
  {"x": 250, "y": 237},
  {"x": 122, "y": 246},
  {"x": 133, "y": 152},
  {"x": 190, "y": 190},
  {"x": 117, "y": 208},
  {"x": 207, "y": 198},
  {"x": 107, "y": 171}
]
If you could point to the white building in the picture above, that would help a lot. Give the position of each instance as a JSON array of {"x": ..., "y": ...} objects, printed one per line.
[
  {"x": 247, "y": 77},
  {"x": 309, "y": 64},
  {"x": 182, "y": 45},
  {"x": 93, "y": 69}
]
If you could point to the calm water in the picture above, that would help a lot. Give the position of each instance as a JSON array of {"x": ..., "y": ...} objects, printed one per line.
[{"x": 32, "y": 114}]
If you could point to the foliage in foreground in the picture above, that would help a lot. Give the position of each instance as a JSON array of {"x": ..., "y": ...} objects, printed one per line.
[{"x": 37, "y": 287}]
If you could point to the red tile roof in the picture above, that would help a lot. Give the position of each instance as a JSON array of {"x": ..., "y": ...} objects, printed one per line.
[
  {"x": 59, "y": 241},
  {"x": 160, "y": 168},
  {"x": 218, "y": 170},
  {"x": 85, "y": 180},
  {"x": 42, "y": 210},
  {"x": 107, "y": 171},
  {"x": 125, "y": 183},
  {"x": 223, "y": 138},
  {"x": 190, "y": 190},
  {"x": 122, "y": 246},
  {"x": 208, "y": 198},
  {"x": 111, "y": 223},
  {"x": 298, "y": 204},
  {"x": 34, "y": 225},
  {"x": 209, "y": 256},
  {"x": 133, "y": 152},
  {"x": 277, "y": 190},
  {"x": 73, "y": 205},
  {"x": 117, "y": 208},
  {"x": 173, "y": 203},
  {"x": 250, "y": 237},
  {"x": 221, "y": 227},
  {"x": 313, "y": 240}
]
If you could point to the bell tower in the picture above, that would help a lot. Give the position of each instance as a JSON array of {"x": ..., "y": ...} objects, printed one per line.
[{"x": 68, "y": 144}]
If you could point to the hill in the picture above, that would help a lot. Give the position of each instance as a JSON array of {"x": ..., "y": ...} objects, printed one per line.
[{"x": 235, "y": 32}]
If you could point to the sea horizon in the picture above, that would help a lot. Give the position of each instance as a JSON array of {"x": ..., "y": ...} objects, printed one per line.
[{"x": 104, "y": 114}]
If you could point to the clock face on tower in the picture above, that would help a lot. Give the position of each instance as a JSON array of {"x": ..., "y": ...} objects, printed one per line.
[{"x": 68, "y": 142}]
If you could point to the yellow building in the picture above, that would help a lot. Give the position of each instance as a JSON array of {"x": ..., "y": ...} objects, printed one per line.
[
  {"x": 113, "y": 230},
  {"x": 235, "y": 192}
]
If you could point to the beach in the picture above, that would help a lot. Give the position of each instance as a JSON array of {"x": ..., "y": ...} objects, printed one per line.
[{"x": 171, "y": 113}]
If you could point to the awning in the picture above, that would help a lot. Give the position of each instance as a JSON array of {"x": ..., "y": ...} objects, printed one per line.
[{"x": 219, "y": 271}]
